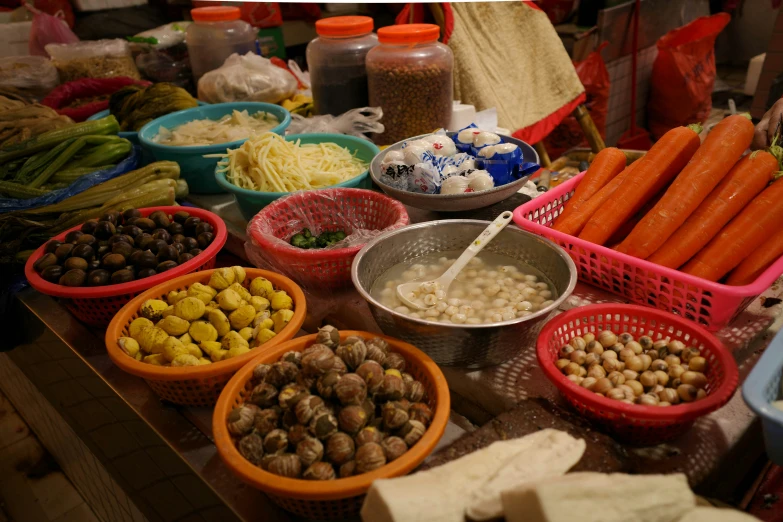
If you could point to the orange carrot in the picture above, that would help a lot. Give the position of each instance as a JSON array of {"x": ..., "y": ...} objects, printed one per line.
[
  {"x": 629, "y": 225},
  {"x": 605, "y": 166},
  {"x": 758, "y": 261},
  {"x": 744, "y": 234},
  {"x": 709, "y": 165},
  {"x": 744, "y": 182},
  {"x": 656, "y": 168},
  {"x": 574, "y": 223}
]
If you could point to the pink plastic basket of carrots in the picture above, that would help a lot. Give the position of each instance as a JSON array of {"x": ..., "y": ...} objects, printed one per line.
[{"x": 690, "y": 228}]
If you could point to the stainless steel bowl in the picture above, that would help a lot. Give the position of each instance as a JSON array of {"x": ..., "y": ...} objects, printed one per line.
[
  {"x": 453, "y": 202},
  {"x": 469, "y": 346}
]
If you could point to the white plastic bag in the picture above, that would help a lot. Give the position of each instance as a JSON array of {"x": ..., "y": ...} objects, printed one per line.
[
  {"x": 166, "y": 36},
  {"x": 246, "y": 78},
  {"x": 33, "y": 75},
  {"x": 356, "y": 122}
]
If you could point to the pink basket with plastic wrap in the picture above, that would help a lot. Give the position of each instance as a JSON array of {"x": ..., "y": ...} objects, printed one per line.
[
  {"x": 361, "y": 214},
  {"x": 710, "y": 304}
]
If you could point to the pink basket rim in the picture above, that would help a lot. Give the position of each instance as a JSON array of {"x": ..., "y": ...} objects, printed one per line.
[
  {"x": 753, "y": 289},
  {"x": 138, "y": 285},
  {"x": 265, "y": 213},
  {"x": 674, "y": 413}
]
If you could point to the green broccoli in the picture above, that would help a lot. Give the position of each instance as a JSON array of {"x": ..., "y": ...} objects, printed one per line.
[{"x": 300, "y": 241}]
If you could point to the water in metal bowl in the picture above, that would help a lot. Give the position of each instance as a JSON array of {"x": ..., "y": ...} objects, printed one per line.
[
  {"x": 453, "y": 202},
  {"x": 468, "y": 346}
]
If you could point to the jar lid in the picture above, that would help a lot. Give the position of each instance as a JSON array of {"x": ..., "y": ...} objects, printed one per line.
[
  {"x": 215, "y": 14},
  {"x": 409, "y": 34},
  {"x": 344, "y": 26}
]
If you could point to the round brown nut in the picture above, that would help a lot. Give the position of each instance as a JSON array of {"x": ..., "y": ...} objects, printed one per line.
[{"x": 369, "y": 458}]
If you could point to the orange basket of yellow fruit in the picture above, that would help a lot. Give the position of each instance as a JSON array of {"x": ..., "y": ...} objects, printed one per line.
[{"x": 187, "y": 337}]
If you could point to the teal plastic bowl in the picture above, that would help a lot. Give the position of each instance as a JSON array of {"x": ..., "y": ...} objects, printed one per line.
[
  {"x": 197, "y": 170},
  {"x": 131, "y": 136},
  {"x": 251, "y": 201}
]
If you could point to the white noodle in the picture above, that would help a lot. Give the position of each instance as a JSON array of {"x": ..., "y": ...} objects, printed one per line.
[
  {"x": 236, "y": 126},
  {"x": 269, "y": 163}
]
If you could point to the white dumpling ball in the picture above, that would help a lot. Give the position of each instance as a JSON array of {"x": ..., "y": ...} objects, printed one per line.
[
  {"x": 466, "y": 135},
  {"x": 413, "y": 153},
  {"x": 440, "y": 144},
  {"x": 454, "y": 185},
  {"x": 484, "y": 138},
  {"x": 480, "y": 180},
  {"x": 394, "y": 155}
]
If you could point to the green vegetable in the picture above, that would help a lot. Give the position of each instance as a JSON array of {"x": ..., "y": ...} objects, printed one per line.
[
  {"x": 110, "y": 152},
  {"x": 71, "y": 175},
  {"x": 15, "y": 190},
  {"x": 48, "y": 140},
  {"x": 306, "y": 240}
]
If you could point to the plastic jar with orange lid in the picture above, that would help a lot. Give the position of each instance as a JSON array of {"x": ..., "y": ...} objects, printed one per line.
[
  {"x": 217, "y": 34},
  {"x": 335, "y": 59},
  {"x": 410, "y": 76}
]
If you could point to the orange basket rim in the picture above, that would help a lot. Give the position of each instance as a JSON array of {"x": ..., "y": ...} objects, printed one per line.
[
  {"x": 161, "y": 373},
  {"x": 137, "y": 285},
  {"x": 675, "y": 413},
  {"x": 340, "y": 488}
]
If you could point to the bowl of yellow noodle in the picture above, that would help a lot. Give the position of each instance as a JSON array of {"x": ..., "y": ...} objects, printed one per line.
[{"x": 270, "y": 166}]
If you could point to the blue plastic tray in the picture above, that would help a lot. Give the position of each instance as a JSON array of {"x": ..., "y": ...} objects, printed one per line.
[{"x": 761, "y": 388}]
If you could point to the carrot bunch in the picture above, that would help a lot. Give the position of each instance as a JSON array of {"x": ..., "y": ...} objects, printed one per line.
[{"x": 703, "y": 208}]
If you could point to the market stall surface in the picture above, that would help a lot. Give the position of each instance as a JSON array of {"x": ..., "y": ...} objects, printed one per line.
[{"x": 161, "y": 458}]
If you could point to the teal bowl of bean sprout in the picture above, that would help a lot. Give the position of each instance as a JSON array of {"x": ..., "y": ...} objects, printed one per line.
[
  {"x": 267, "y": 167},
  {"x": 195, "y": 138}
]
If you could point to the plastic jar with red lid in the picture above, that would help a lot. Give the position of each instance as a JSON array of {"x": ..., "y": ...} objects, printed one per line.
[
  {"x": 410, "y": 76},
  {"x": 216, "y": 34},
  {"x": 336, "y": 61}
]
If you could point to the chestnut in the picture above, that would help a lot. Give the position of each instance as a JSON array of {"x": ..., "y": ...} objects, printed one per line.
[
  {"x": 121, "y": 276},
  {"x": 86, "y": 239},
  {"x": 73, "y": 278},
  {"x": 75, "y": 263},
  {"x": 143, "y": 241},
  {"x": 203, "y": 227},
  {"x": 146, "y": 224},
  {"x": 177, "y": 238},
  {"x": 45, "y": 261},
  {"x": 89, "y": 226},
  {"x": 113, "y": 262},
  {"x": 111, "y": 216},
  {"x": 122, "y": 248},
  {"x": 160, "y": 218},
  {"x": 52, "y": 273},
  {"x": 120, "y": 238},
  {"x": 190, "y": 243},
  {"x": 51, "y": 246},
  {"x": 63, "y": 251},
  {"x": 131, "y": 213},
  {"x": 175, "y": 228},
  {"x": 190, "y": 225},
  {"x": 103, "y": 250},
  {"x": 184, "y": 258},
  {"x": 104, "y": 230},
  {"x": 146, "y": 260},
  {"x": 194, "y": 252},
  {"x": 166, "y": 265},
  {"x": 94, "y": 264},
  {"x": 167, "y": 253},
  {"x": 146, "y": 272},
  {"x": 156, "y": 244},
  {"x": 132, "y": 231},
  {"x": 161, "y": 233},
  {"x": 204, "y": 239},
  {"x": 86, "y": 252},
  {"x": 180, "y": 217},
  {"x": 73, "y": 236}
]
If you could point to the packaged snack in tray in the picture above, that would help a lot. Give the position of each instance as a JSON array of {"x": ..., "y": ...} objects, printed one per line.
[{"x": 93, "y": 59}]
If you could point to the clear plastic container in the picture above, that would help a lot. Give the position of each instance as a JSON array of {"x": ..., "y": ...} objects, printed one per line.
[
  {"x": 336, "y": 62},
  {"x": 410, "y": 76},
  {"x": 217, "y": 34}
]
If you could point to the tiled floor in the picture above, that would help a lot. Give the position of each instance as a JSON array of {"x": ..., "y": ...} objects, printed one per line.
[{"x": 32, "y": 489}]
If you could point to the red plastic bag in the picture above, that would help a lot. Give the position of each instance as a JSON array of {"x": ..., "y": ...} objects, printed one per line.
[
  {"x": 595, "y": 78},
  {"x": 683, "y": 75},
  {"x": 47, "y": 29},
  {"x": 86, "y": 88}
]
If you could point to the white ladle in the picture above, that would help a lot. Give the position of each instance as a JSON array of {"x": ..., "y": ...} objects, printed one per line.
[{"x": 408, "y": 291}]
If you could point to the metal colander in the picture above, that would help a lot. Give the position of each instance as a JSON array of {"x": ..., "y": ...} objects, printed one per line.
[{"x": 469, "y": 346}]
